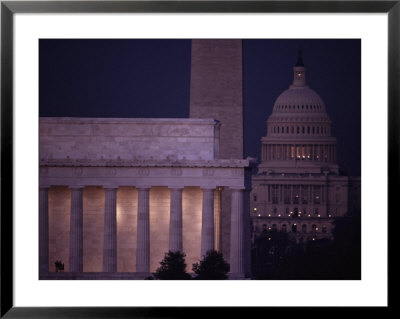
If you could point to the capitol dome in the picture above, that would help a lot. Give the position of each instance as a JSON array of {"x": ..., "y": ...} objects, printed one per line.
[
  {"x": 299, "y": 99},
  {"x": 299, "y": 109},
  {"x": 298, "y": 131}
]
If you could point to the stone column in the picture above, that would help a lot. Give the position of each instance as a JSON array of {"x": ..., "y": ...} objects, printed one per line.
[
  {"x": 207, "y": 223},
  {"x": 110, "y": 231},
  {"x": 76, "y": 230},
  {"x": 247, "y": 232},
  {"x": 175, "y": 221},
  {"x": 43, "y": 230},
  {"x": 217, "y": 219},
  {"x": 238, "y": 255},
  {"x": 143, "y": 231}
]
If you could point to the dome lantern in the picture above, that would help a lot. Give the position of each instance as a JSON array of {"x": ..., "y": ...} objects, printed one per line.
[{"x": 299, "y": 72}]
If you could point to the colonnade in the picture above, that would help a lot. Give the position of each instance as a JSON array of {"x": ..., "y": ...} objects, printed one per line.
[
  {"x": 315, "y": 152},
  {"x": 208, "y": 241}
]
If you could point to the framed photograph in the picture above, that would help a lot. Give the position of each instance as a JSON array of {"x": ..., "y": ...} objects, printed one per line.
[{"x": 127, "y": 138}]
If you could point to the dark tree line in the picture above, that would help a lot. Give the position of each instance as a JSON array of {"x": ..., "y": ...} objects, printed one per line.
[
  {"x": 211, "y": 267},
  {"x": 274, "y": 256}
]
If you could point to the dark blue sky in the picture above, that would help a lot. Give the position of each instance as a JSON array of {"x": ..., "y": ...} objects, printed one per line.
[{"x": 151, "y": 78}]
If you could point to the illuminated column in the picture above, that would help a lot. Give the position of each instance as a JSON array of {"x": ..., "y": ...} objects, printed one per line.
[
  {"x": 175, "y": 222},
  {"x": 217, "y": 219},
  {"x": 76, "y": 230},
  {"x": 143, "y": 231},
  {"x": 43, "y": 230},
  {"x": 238, "y": 255},
  {"x": 110, "y": 231},
  {"x": 207, "y": 224}
]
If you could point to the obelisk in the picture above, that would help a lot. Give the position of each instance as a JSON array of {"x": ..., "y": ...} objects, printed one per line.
[{"x": 216, "y": 91}]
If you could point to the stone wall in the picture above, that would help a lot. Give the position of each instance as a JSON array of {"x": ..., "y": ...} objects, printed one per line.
[{"x": 127, "y": 139}]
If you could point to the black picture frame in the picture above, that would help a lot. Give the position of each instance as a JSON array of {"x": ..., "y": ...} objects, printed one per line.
[{"x": 9, "y": 8}]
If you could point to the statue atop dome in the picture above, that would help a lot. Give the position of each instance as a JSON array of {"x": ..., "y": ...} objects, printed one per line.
[{"x": 299, "y": 58}]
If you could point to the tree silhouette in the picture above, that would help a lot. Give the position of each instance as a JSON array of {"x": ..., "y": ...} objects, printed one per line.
[
  {"x": 212, "y": 267},
  {"x": 173, "y": 267},
  {"x": 322, "y": 259}
]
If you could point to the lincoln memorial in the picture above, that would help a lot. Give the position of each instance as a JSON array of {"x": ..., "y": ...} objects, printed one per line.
[{"x": 117, "y": 194}]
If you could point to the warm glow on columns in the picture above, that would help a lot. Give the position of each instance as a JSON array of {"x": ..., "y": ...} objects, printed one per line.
[
  {"x": 217, "y": 219},
  {"x": 175, "y": 225},
  {"x": 207, "y": 225},
  {"x": 110, "y": 231},
  {"x": 143, "y": 231},
  {"x": 76, "y": 230}
]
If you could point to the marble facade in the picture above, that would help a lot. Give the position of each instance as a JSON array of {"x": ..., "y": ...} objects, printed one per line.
[{"x": 116, "y": 194}]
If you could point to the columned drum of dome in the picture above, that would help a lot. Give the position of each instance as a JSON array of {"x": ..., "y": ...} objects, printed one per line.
[{"x": 298, "y": 188}]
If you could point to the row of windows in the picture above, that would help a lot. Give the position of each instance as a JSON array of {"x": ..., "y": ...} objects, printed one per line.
[
  {"x": 293, "y": 194},
  {"x": 294, "y": 213},
  {"x": 295, "y": 228},
  {"x": 310, "y": 152},
  {"x": 298, "y": 129},
  {"x": 299, "y": 107}
]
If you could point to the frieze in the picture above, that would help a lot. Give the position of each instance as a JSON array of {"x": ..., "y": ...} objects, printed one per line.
[
  {"x": 237, "y": 172},
  {"x": 102, "y": 162},
  {"x": 176, "y": 171},
  {"x": 208, "y": 172},
  {"x": 43, "y": 171},
  {"x": 143, "y": 172},
  {"x": 111, "y": 171},
  {"x": 78, "y": 171}
]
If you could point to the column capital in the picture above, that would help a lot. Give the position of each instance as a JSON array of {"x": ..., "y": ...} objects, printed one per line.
[
  {"x": 176, "y": 188},
  {"x": 208, "y": 189},
  {"x": 144, "y": 187},
  {"x": 114, "y": 187},
  {"x": 76, "y": 187}
]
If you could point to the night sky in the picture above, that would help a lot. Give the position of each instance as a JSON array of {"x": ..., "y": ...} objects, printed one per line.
[{"x": 151, "y": 78}]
